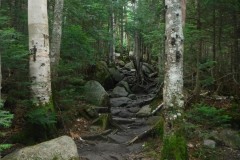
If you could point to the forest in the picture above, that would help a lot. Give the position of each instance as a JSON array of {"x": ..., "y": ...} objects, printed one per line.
[{"x": 120, "y": 79}]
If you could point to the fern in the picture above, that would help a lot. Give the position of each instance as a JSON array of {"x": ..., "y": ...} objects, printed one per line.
[
  {"x": 5, "y": 121},
  {"x": 208, "y": 115},
  {"x": 41, "y": 117}
]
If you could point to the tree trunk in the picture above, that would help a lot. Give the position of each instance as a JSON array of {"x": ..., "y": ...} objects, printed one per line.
[
  {"x": 196, "y": 90},
  {"x": 173, "y": 83},
  {"x": 56, "y": 37},
  {"x": 39, "y": 63},
  {"x": 137, "y": 59},
  {"x": 111, "y": 56}
]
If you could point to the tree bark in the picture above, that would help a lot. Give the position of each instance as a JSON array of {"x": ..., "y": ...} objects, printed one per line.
[
  {"x": 112, "y": 25},
  {"x": 39, "y": 62},
  {"x": 173, "y": 81},
  {"x": 56, "y": 37},
  {"x": 196, "y": 90}
]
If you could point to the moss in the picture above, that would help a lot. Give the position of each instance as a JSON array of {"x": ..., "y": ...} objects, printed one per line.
[
  {"x": 174, "y": 148},
  {"x": 42, "y": 118},
  {"x": 105, "y": 120}
]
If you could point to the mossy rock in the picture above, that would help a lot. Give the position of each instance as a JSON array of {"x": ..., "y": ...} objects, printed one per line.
[
  {"x": 95, "y": 94},
  {"x": 102, "y": 75}
]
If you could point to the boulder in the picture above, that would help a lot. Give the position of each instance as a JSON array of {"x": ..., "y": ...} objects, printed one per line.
[
  {"x": 125, "y": 85},
  {"x": 102, "y": 75},
  {"x": 209, "y": 143},
  {"x": 147, "y": 68},
  {"x": 129, "y": 66},
  {"x": 62, "y": 148},
  {"x": 144, "y": 111},
  {"x": 119, "y": 92},
  {"x": 94, "y": 93},
  {"x": 121, "y": 63},
  {"x": 119, "y": 102},
  {"x": 115, "y": 74},
  {"x": 132, "y": 96}
]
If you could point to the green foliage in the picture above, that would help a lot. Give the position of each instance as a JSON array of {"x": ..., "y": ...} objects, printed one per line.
[
  {"x": 5, "y": 117},
  {"x": 208, "y": 115},
  {"x": 42, "y": 117},
  {"x": 159, "y": 128},
  {"x": 174, "y": 148},
  {"x": 4, "y": 147},
  {"x": 5, "y": 121}
]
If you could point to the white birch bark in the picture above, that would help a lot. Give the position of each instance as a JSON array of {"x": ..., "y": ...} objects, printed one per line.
[
  {"x": 39, "y": 62},
  {"x": 56, "y": 36},
  {"x": 173, "y": 81}
]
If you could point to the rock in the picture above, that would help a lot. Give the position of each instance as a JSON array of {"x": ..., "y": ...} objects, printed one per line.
[
  {"x": 121, "y": 63},
  {"x": 129, "y": 66},
  {"x": 134, "y": 109},
  {"x": 117, "y": 55},
  {"x": 62, "y": 148},
  {"x": 115, "y": 74},
  {"x": 132, "y": 96},
  {"x": 119, "y": 102},
  {"x": 209, "y": 143},
  {"x": 138, "y": 89},
  {"x": 115, "y": 111},
  {"x": 147, "y": 68},
  {"x": 125, "y": 114},
  {"x": 96, "y": 94},
  {"x": 125, "y": 85},
  {"x": 144, "y": 111},
  {"x": 119, "y": 92},
  {"x": 102, "y": 75},
  {"x": 153, "y": 120},
  {"x": 230, "y": 138}
]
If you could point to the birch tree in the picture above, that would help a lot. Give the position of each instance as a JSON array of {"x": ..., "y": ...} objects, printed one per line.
[
  {"x": 39, "y": 63},
  {"x": 173, "y": 81},
  {"x": 56, "y": 36}
]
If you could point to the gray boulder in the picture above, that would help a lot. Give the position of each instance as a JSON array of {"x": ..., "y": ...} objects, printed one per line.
[
  {"x": 102, "y": 75},
  {"x": 62, "y": 148},
  {"x": 147, "y": 68},
  {"x": 115, "y": 74},
  {"x": 121, "y": 63},
  {"x": 144, "y": 111},
  {"x": 132, "y": 96},
  {"x": 119, "y": 102},
  {"x": 125, "y": 85},
  {"x": 209, "y": 143},
  {"x": 94, "y": 93},
  {"x": 119, "y": 92},
  {"x": 129, "y": 66}
]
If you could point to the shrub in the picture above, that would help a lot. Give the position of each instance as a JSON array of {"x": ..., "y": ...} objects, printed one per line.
[
  {"x": 5, "y": 121},
  {"x": 208, "y": 115}
]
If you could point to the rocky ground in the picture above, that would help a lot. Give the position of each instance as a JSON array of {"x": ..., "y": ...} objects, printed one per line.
[
  {"x": 132, "y": 109},
  {"x": 131, "y": 112}
]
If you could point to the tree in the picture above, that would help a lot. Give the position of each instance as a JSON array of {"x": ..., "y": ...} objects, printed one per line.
[
  {"x": 56, "y": 36},
  {"x": 39, "y": 62},
  {"x": 173, "y": 83}
]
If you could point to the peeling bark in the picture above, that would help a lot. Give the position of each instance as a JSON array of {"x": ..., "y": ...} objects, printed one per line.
[{"x": 39, "y": 62}]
